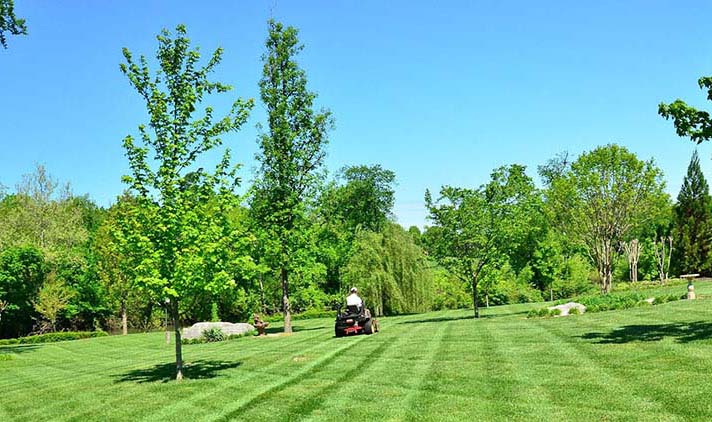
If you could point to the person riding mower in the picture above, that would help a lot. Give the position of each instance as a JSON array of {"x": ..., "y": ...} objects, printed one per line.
[{"x": 356, "y": 319}]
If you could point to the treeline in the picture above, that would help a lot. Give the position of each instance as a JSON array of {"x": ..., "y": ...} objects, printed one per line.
[{"x": 181, "y": 245}]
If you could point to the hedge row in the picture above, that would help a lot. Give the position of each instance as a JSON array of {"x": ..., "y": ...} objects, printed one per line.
[
  {"x": 216, "y": 334},
  {"x": 53, "y": 337}
]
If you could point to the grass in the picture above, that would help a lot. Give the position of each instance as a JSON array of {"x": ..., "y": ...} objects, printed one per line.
[{"x": 652, "y": 363}]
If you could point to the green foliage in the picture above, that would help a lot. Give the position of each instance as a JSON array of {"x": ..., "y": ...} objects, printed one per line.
[
  {"x": 53, "y": 337},
  {"x": 690, "y": 122},
  {"x": 217, "y": 335},
  {"x": 601, "y": 199},
  {"x": 390, "y": 271},
  {"x": 22, "y": 272},
  {"x": 213, "y": 334},
  {"x": 9, "y": 22},
  {"x": 291, "y": 151},
  {"x": 365, "y": 200},
  {"x": 44, "y": 215},
  {"x": 471, "y": 227},
  {"x": 576, "y": 279},
  {"x": 185, "y": 217},
  {"x": 52, "y": 299},
  {"x": 692, "y": 231},
  {"x": 448, "y": 291}
]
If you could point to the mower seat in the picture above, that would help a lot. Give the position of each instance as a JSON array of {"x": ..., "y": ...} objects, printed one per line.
[{"x": 353, "y": 310}]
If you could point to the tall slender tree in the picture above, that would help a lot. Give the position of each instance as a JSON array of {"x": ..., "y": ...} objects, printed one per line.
[
  {"x": 692, "y": 231},
  {"x": 186, "y": 225},
  {"x": 291, "y": 150}
]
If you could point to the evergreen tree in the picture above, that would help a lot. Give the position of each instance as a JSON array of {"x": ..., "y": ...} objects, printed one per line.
[{"x": 693, "y": 223}]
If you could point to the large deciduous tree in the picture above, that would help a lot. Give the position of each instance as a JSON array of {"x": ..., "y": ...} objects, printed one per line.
[
  {"x": 472, "y": 227},
  {"x": 291, "y": 150},
  {"x": 692, "y": 230},
  {"x": 9, "y": 23},
  {"x": 603, "y": 197},
  {"x": 187, "y": 230}
]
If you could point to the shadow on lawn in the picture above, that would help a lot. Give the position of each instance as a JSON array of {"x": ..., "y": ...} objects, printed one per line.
[
  {"x": 681, "y": 332},
  {"x": 295, "y": 328},
  {"x": 19, "y": 348},
  {"x": 443, "y": 319},
  {"x": 199, "y": 369}
]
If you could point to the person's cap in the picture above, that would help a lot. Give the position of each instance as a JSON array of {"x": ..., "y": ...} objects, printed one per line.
[{"x": 353, "y": 290}]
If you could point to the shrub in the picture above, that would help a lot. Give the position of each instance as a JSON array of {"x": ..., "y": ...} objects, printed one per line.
[
  {"x": 203, "y": 339},
  {"x": 554, "y": 312},
  {"x": 54, "y": 337},
  {"x": 213, "y": 334},
  {"x": 574, "y": 311}
]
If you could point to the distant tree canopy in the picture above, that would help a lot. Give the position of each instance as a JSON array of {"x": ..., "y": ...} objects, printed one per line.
[{"x": 9, "y": 23}]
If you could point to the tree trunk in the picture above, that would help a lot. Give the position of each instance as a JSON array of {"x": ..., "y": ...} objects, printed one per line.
[
  {"x": 474, "y": 297},
  {"x": 285, "y": 302},
  {"x": 179, "y": 344},
  {"x": 262, "y": 295},
  {"x": 487, "y": 300},
  {"x": 551, "y": 294},
  {"x": 124, "y": 319}
]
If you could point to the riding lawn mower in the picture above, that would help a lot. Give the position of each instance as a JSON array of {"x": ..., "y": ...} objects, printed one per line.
[{"x": 355, "y": 320}]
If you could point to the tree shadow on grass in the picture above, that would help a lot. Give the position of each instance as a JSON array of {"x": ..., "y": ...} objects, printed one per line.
[
  {"x": 681, "y": 332},
  {"x": 199, "y": 369},
  {"x": 443, "y": 319},
  {"x": 295, "y": 328},
  {"x": 19, "y": 348}
]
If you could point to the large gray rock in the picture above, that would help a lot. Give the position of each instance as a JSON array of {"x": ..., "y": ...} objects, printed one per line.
[
  {"x": 566, "y": 308},
  {"x": 196, "y": 330}
]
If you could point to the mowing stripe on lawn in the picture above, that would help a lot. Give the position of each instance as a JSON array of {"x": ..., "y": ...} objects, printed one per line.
[
  {"x": 259, "y": 371},
  {"x": 233, "y": 412}
]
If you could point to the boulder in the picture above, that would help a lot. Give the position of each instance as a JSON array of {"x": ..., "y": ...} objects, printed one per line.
[
  {"x": 196, "y": 330},
  {"x": 566, "y": 307}
]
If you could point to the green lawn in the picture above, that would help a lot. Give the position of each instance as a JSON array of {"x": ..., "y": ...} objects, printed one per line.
[{"x": 652, "y": 363}]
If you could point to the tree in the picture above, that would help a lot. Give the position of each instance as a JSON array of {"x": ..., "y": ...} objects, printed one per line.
[
  {"x": 472, "y": 226},
  {"x": 391, "y": 272},
  {"x": 291, "y": 151},
  {"x": 121, "y": 245},
  {"x": 366, "y": 200},
  {"x": 52, "y": 298},
  {"x": 9, "y": 22},
  {"x": 185, "y": 207},
  {"x": 692, "y": 227},
  {"x": 601, "y": 199}
]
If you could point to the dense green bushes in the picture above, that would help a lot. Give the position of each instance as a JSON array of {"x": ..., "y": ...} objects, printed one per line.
[
  {"x": 54, "y": 337},
  {"x": 611, "y": 301},
  {"x": 213, "y": 335}
]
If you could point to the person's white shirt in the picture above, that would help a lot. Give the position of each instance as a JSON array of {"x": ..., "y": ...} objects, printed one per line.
[{"x": 353, "y": 300}]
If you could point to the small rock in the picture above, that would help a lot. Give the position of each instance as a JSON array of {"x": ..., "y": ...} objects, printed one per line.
[
  {"x": 196, "y": 330},
  {"x": 650, "y": 300},
  {"x": 566, "y": 307}
]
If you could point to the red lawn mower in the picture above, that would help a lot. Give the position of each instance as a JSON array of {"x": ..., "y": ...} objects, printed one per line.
[{"x": 355, "y": 320}]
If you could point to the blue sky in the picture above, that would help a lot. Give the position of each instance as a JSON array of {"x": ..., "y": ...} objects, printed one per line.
[{"x": 439, "y": 92}]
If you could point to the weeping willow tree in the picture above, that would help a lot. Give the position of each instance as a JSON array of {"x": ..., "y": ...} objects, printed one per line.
[{"x": 390, "y": 271}]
